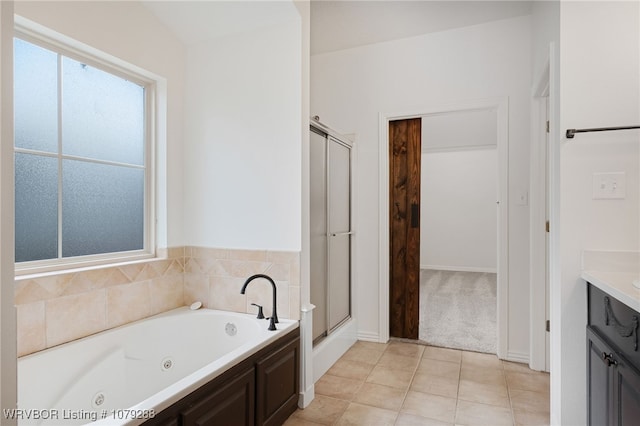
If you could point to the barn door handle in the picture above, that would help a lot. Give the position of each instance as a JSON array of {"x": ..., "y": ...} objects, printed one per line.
[{"x": 415, "y": 215}]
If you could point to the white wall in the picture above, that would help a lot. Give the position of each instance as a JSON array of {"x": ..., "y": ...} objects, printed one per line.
[
  {"x": 458, "y": 213},
  {"x": 600, "y": 73},
  {"x": 350, "y": 88},
  {"x": 243, "y": 140},
  {"x": 130, "y": 32}
]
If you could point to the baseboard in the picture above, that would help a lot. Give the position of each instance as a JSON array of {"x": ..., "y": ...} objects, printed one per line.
[
  {"x": 369, "y": 336},
  {"x": 459, "y": 268},
  {"x": 521, "y": 357},
  {"x": 305, "y": 397}
]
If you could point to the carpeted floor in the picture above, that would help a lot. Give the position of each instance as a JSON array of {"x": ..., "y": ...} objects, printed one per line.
[{"x": 458, "y": 310}]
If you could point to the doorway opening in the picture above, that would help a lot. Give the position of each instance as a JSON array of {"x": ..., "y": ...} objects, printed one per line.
[
  {"x": 458, "y": 244},
  {"x": 498, "y": 108}
]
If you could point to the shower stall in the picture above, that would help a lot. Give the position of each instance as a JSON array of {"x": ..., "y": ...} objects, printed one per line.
[{"x": 331, "y": 230}]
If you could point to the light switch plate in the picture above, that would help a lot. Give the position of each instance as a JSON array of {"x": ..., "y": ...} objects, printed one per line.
[{"x": 610, "y": 186}]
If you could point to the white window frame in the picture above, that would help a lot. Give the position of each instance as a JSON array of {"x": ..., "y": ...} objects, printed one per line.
[{"x": 63, "y": 45}]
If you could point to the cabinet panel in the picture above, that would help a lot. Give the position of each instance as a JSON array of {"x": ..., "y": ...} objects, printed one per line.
[
  {"x": 617, "y": 322},
  {"x": 232, "y": 405},
  {"x": 599, "y": 382},
  {"x": 626, "y": 395},
  {"x": 277, "y": 385}
]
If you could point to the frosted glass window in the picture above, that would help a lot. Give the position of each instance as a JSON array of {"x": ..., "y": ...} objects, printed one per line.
[
  {"x": 80, "y": 158},
  {"x": 36, "y": 97},
  {"x": 36, "y": 207},
  {"x": 102, "y": 115},
  {"x": 102, "y": 208}
]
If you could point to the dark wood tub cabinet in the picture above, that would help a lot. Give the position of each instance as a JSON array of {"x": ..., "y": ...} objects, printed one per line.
[
  {"x": 613, "y": 361},
  {"x": 261, "y": 390}
]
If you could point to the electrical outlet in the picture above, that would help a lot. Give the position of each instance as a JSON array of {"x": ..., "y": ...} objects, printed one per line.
[{"x": 609, "y": 186}]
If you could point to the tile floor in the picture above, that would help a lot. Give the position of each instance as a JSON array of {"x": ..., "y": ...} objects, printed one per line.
[{"x": 409, "y": 384}]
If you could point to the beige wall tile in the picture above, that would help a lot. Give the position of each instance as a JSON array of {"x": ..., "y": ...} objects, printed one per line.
[
  {"x": 72, "y": 317},
  {"x": 208, "y": 253},
  {"x": 245, "y": 255},
  {"x": 224, "y": 294},
  {"x": 29, "y": 291},
  {"x": 241, "y": 268},
  {"x": 116, "y": 277},
  {"x": 288, "y": 257},
  {"x": 131, "y": 271},
  {"x": 196, "y": 288},
  {"x": 31, "y": 328},
  {"x": 179, "y": 276},
  {"x": 279, "y": 271},
  {"x": 127, "y": 303},
  {"x": 166, "y": 293}
]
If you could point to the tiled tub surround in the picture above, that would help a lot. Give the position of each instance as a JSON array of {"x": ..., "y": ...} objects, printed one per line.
[
  {"x": 215, "y": 277},
  {"x": 56, "y": 308}
]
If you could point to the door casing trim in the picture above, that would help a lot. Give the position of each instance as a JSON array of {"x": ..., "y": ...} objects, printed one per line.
[{"x": 501, "y": 106}]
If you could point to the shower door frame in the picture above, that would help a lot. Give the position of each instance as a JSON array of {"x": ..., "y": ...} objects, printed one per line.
[
  {"x": 501, "y": 106},
  {"x": 332, "y": 137}
]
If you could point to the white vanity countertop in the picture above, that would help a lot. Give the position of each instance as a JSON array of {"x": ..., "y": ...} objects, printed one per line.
[{"x": 614, "y": 273}]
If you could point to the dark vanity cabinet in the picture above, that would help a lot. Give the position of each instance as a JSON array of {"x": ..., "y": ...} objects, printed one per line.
[
  {"x": 261, "y": 390},
  {"x": 613, "y": 361}
]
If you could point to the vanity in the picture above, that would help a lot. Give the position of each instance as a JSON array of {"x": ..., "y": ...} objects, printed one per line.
[{"x": 613, "y": 352}]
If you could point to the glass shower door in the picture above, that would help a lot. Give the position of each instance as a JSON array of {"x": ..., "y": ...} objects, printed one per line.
[
  {"x": 339, "y": 236},
  {"x": 330, "y": 173}
]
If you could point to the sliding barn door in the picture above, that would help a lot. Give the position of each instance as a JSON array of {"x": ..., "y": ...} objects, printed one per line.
[{"x": 404, "y": 227}]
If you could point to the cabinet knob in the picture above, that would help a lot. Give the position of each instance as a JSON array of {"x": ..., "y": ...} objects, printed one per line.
[{"x": 608, "y": 359}]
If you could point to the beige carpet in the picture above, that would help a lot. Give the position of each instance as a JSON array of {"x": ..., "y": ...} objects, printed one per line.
[{"x": 458, "y": 310}]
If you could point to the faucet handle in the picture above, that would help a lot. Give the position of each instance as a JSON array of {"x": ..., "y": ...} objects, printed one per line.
[
  {"x": 272, "y": 323},
  {"x": 260, "y": 314}
]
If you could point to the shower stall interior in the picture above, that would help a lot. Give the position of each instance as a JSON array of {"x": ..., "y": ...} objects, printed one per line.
[{"x": 331, "y": 232}]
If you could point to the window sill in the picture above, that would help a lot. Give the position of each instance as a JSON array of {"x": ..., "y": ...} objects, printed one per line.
[{"x": 45, "y": 270}]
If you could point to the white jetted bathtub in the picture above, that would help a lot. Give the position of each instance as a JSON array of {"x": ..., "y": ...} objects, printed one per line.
[{"x": 130, "y": 373}]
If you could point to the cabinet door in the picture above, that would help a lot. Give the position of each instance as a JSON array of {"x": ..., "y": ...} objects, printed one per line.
[
  {"x": 599, "y": 382},
  {"x": 277, "y": 385},
  {"x": 231, "y": 405},
  {"x": 626, "y": 395}
]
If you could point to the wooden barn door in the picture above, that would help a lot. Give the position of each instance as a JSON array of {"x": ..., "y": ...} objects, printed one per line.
[{"x": 404, "y": 227}]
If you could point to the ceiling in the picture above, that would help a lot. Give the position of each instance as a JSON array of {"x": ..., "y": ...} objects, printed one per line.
[
  {"x": 335, "y": 24},
  {"x": 196, "y": 21}
]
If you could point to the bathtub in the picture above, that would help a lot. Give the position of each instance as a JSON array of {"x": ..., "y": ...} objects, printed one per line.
[{"x": 125, "y": 375}]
